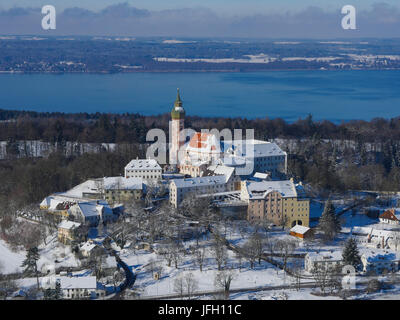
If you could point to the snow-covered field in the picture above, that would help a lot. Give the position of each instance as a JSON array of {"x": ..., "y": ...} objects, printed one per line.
[{"x": 10, "y": 261}]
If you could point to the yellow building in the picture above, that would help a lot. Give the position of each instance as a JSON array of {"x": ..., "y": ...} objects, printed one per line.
[
  {"x": 121, "y": 189},
  {"x": 58, "y": 205},
  {"x": 277, "y": 202},
  {"x": 66, "y": 231}
]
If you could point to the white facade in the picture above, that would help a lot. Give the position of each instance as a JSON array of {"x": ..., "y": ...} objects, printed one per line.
[
  {"x": 324, "y": 260},
  {"x": 80, "y": 288},
  {"x": 378, "y": 262},
  {"x": 179, "y": 188},
  {"x": 247, "y": 156},
  {"x": 147, "y": 169}
]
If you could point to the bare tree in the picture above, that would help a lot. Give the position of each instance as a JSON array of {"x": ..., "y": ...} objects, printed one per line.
[
  {"x": 219, "y": 250},
  {"x": 239, "y": 258},
  {"x": 179, "y": 286},
  {"x": 96, "y": 263},
  {"x": 191, "y": 284},
  {"x": 321, "y": 275},
  {"x": 396, "y": 240},
  {"x": 173, "y": 253},
  {"x": 250, "y": 252},
  {"x": 223, "y": 280},
  {"x": 297, "y": 270},
  {"x": 286, "y": 248},
  {"x": 200, "y": 255}
]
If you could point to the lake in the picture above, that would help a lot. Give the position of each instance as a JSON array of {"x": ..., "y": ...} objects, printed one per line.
[{"x": 331, "y": 95}]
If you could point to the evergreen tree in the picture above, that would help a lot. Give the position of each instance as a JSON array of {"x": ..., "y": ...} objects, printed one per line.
[
  {"x": 30, "y": 264},
  {"x": 329, "y": 223},
  {"x": 350, "y": 253}
]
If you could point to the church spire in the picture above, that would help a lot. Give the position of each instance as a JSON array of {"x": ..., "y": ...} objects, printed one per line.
[
  {"x": 178, "y": 101},
  {"x": 177, "y": 111}
]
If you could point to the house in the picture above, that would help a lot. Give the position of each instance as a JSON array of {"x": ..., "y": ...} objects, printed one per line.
[
  {"x": 89, "y": 248},
  {"x": 390, "y": 217},
  {"x": 80, "y": 287},
  {"x": 301, "y": 232},
  {"x": 147, "y": 169},
  {"x": 329, "y": 260},
  {"x": 66, "y": 229},
  {"x": 280, "y": 202},
  {"x": 378, "y": 237},
  {"x": 58, "y": 205},
  {"x": 121, "y": 189},
  {"x": 93, "y": 212},
  {"x": 378, "y": 262}
]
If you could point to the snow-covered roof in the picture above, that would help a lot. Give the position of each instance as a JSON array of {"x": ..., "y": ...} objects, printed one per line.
[
  {"x": 260, "y": 175},
  {"x": 252, "y": 148},
  {"x": 90, "y": 209},
  {"x": 202, "y": 142},
  {"x": 299, "y": 229},
  {"x": 260, "y": 189},
  {"x": 116, "y": 183},
  {"x": 221, "y": 170},
  {"x": 375, "y": 232},
  {"x": 58, "y": 202},
  {"x": 78, "y": 282},
  {"x": 200, "y": 181},
  {"x": 372, "y": 256},
  {"x": 325, "y": 256},
  {"x": 143, "y": 164},
  {"x": 88, "y": 246},
  {"x": 65, "y": 224},
  {"x": 89, "y": 186},
  {"x": 391, "y": 214}
]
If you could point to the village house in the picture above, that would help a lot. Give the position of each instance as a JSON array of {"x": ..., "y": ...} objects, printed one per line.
[
  {"x": 65, "y": 232},
  {"x": 327, "y": 260},
  {"x": 80, "y": 287},
  {"x": 380, "y": 262},
  {"x": 279, "y": 202},
  {"x": 89, "y": 248},
  {"x": 58, "y": 205},
  {"x": 147, "y": 169},
  {"x": 377, "y": 238},
  {"x": 389, "y": 216},
  {"x": 92, "y": 213}
]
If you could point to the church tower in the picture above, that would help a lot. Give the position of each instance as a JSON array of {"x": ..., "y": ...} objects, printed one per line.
[{"x": 177, "y": 125}]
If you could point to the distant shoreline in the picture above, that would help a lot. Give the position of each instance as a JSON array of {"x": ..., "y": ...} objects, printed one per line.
[{"x": 191, "y": 71}]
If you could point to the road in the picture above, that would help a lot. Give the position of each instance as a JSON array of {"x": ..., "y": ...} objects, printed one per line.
[{"x": 130, "y": 277}]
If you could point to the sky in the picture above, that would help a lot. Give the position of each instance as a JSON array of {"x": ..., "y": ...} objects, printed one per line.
[{"x": 203, "y": 18}]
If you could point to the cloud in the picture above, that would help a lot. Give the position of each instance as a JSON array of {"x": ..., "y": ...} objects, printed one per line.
[
  {"x": 382, "y": 20},
  {"x": 123, "y": 10}
]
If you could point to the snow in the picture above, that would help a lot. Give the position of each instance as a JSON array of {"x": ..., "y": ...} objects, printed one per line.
[
  {"x": 299, "y": 229},
  {"x": 68, "y": 225},
  {"x": 10, "y": 261},
  {"x": 78, "y": 282}
]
